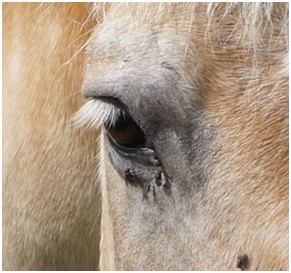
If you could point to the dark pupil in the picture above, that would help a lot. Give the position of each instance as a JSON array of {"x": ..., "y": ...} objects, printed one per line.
[{"x": 126, "y": 132}]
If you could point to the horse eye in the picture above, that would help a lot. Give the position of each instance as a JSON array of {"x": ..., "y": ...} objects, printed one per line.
[{"x": 126, "y": 132}]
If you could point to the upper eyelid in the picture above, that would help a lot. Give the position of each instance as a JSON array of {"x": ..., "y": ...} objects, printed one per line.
[{"x": 114, "y": 101}]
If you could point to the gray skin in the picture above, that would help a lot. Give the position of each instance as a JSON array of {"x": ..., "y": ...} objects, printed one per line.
[{"x": 199, "y": 206}]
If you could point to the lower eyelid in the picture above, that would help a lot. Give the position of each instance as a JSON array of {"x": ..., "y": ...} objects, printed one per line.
[{"x": 144, "y": 155}]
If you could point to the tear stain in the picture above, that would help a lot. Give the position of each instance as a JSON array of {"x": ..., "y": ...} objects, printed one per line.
[
  {"x": 163, "y": 180},
  {"x": 159, "y": 179},
  {"x": 147, "y": 179},
  {"x": 150, "y": 189},
  {"x": 167, "y": 188},
  {"x": 243, "y": 262},
  {"x": 131, "y": 179},
  {"x": 154, "y": 161}
]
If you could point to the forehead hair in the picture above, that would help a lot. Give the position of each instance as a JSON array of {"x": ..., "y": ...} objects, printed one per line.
[
  {"x": 196, "y": 34},
  {"x": 250, "y": 23}
]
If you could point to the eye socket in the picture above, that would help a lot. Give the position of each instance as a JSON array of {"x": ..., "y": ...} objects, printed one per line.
[{"x": 126, "y": 132}]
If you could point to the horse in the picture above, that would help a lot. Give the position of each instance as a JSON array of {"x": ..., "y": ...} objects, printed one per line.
[{"x": 190, "y": 103}]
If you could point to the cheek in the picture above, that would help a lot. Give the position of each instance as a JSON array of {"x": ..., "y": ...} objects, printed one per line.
[{"x": 114, "y": 189}]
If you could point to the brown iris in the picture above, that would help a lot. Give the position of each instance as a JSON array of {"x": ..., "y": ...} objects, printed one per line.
[{"x": 126, "y": 132}]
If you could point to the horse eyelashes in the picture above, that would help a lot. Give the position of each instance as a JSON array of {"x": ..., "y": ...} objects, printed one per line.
[
  {"x": 119, "y": 125},
  {"x": 96, "y": 113}
]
